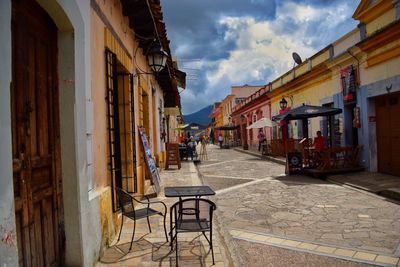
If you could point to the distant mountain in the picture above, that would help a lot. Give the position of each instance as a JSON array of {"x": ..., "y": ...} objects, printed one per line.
[{"x": 200, "y": 117}]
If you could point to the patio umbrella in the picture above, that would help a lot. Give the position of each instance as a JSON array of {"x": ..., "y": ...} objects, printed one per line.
[
  {"x": 305, "y": 112},
  {"x": 261, "y": 123}
]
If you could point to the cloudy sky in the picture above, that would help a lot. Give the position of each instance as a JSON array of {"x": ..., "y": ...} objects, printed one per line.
[{"x": 220, "y": 43}]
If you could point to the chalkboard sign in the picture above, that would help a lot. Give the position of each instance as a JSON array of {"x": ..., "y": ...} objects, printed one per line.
[
  {"x": 173, "y": 157},
  {"x": 155, "y": 177},
  {"x": 294, "y": 163}
]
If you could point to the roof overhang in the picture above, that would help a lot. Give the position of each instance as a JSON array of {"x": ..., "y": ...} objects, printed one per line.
[{"x": 146, "y": 20}]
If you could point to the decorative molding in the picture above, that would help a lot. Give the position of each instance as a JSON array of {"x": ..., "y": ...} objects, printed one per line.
[
  {"x": 366, "y": 13},
  {"x": 384, "y": 56}
]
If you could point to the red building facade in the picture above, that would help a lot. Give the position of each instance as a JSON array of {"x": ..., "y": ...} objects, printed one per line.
[{"x": 253, "y": 108}]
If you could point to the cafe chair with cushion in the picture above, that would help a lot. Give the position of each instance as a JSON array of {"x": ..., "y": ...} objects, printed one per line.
[
  {"x": 192, "y": 215},
  {"x": 127, "y": 205}
]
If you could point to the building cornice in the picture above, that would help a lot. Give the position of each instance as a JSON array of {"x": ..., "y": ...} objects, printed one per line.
[{"x": 366, "y": 12}]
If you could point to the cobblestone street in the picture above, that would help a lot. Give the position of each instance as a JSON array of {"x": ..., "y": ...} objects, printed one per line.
[
  {"x": 266, "y": 213},
  {"x": 265, "y": 218}
]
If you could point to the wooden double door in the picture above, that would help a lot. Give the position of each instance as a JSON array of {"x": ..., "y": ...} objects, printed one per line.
[
  {"x": 388, "y": 133},
  {"x": 35, "y": 137}
]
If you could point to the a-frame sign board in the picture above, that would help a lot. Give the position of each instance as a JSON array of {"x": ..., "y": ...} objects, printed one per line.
[{"x": 155, "y": 177}]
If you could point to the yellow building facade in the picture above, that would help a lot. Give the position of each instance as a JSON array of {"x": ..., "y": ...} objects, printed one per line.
[{"x": 358, "y": 73}]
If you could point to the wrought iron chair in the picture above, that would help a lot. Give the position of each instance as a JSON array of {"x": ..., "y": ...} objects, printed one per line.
[
  {"x": 192, "y": 215},
  {"x": 127, "y": 205}
]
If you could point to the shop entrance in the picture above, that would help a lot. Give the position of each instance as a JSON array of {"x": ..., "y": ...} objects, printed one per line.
[{"x": 388, "y": 133}]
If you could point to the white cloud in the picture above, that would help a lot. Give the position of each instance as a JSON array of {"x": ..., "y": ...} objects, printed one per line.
[{"x": 264, "y": 47}]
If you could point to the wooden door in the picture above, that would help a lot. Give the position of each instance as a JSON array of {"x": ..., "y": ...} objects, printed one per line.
[
  {"x": 35, "y": 137},
  {"x": 388, "y": 133}
]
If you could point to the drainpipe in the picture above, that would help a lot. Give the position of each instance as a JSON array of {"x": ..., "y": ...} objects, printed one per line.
[{"x": 358, "y": 62}]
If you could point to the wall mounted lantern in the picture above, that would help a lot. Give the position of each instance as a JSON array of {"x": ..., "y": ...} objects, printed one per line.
[
  {"x": 157, "y": 57},
  {"x": 283, "y": 103}
]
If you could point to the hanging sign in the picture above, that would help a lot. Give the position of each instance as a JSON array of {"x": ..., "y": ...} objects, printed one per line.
[
  {"x": 349, "y": 83},
  {"x": 155, "y": 176}
]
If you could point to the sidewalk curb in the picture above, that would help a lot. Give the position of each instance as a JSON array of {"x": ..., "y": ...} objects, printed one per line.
[{"x": 269, "y": 158}]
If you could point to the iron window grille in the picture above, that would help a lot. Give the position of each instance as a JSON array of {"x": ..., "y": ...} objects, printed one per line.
[{"x": 119, "y": 171}]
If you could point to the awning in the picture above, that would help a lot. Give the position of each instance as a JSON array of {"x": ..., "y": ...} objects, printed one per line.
[
  {"x": 228, "y": 127},
  {"x": 261, "y": 123},
  {"x": 307, "y": 111},
  {"x": 182, "y": 126}
]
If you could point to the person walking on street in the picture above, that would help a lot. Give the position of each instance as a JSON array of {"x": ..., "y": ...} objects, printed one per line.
[
  {"x": 192, "y": 148},
  {"x": 220, "y": 140},
  {"x": 261, "y": 138}
]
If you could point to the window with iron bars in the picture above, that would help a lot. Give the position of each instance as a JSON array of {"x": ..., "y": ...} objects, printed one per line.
[{"x": 120, "y": 126}]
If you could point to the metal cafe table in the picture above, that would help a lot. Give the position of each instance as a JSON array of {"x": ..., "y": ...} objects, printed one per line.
[{"x": 187, "y": 191}]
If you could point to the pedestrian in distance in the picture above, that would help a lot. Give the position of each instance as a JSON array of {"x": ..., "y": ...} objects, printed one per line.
[
  {"x": 220, "y": 140},
  {"x": 319, "y": 142},
  {"x": 319, "y": 145},
  {"x": 192, "y": 147},
  {"x": 261, "y": 138}
]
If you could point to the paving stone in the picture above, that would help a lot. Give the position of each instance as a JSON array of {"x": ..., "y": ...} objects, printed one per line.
[
  {"x": 307, "y": 246},
  {"x": 291, "y": 243},
  {"x": 325, "y": 249},
  {"x": 365, "y": 256},
  {"x": 275, "y": 240},
  {"x": 345, "y": 252},
  {"x": 356, "y": 235},
  {"x": 332, "y": 236},
  {"x": 261, "y": 238},
  {"x": 387, "y": 259}
]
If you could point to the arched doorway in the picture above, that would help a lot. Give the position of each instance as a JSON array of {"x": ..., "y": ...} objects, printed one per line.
[{"x": 36, "y": 137}]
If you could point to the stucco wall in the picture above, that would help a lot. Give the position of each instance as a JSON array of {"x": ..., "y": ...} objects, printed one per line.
[
  {"x": 348, "y": 40},
  {"x": 98, "y": 86},
  {"x": 389, "y": 69}
]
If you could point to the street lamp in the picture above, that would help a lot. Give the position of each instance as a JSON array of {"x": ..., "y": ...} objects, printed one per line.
[{"x": 283, "y": 104}]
